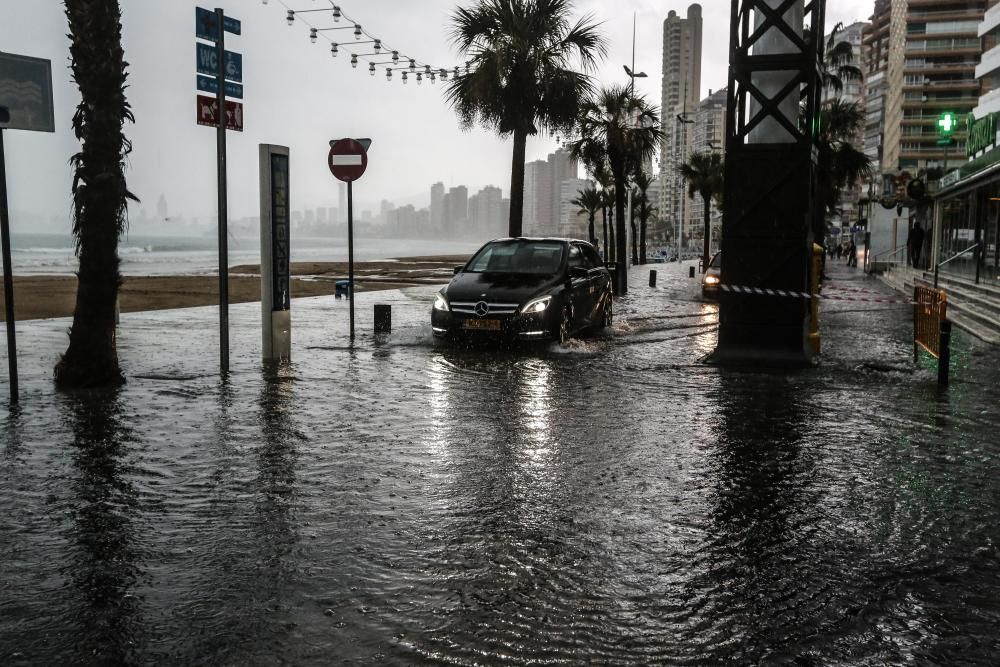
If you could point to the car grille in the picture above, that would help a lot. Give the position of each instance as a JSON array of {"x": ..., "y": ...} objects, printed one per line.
[{"x": 469, "y": 308}]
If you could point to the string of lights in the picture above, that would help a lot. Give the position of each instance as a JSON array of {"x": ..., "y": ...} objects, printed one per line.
[{"x": 375, "y": 48}]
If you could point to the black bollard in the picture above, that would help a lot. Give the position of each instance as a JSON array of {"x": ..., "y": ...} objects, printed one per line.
[
  {"x": 944, "y": 353},
  {"x": 383, "y": 318},
  {"x": 690, "y": 272},
  {"x": 652, "y": 278}
]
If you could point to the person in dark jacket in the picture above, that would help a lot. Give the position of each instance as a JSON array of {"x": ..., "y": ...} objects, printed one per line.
[{"x": 915, "y": 243}]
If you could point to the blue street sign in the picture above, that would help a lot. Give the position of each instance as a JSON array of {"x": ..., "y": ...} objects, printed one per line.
[
  {"x": 210, "y": 84},
  {"x": 205, "y": 27},
  {"x": 209, "y": 64}
]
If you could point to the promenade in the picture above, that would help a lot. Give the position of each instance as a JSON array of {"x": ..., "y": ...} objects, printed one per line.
[{"x": 614, "y": 501}]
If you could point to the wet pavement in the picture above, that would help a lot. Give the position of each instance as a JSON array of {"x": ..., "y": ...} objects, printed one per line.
[{"x": 613, "y": 501}]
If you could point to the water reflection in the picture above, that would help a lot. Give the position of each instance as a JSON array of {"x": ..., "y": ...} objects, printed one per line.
[
  {"x": 107, "y": 564},
  {"x": 757, "y": 565}
]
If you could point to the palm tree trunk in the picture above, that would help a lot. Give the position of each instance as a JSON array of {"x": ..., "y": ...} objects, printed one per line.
[
  {"x": 611, "y": 234},
  {"x": 642, "y": 240},
  {"x": 621, "y": 247},
  {"x": 635, "y": 235},
  {"x": 604, "y": 223},
  {"x": 708, "y": 231},
  {"x": 590, "y": 228},
  {"x": 517, "y": 184},
  {"x": 99, "y": 191}
]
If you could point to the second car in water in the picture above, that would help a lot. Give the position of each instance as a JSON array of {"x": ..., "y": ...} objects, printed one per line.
[{"x": 526, "y": 289}]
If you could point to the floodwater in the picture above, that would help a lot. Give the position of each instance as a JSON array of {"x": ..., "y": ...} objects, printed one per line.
[{"x": 611, "y": 502}]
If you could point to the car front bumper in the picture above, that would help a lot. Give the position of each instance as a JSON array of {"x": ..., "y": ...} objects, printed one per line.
[{"x": 517, "y": 326}]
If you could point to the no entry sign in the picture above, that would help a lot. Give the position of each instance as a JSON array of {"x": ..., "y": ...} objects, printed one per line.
[{"x": 348, "y": 160}]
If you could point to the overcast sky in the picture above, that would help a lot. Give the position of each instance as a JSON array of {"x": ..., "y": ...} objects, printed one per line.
[{"x": 298, "y": 95}]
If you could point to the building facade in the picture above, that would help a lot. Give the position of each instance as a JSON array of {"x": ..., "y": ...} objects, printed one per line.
[
  {"x": 680, "y": 91},
  {"x": 707, "y": 134}
]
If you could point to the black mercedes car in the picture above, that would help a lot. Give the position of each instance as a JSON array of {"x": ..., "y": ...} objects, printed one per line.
[{"x": 526, "y": 289}]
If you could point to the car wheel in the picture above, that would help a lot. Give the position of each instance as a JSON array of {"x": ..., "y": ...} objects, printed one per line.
[
  {"x": 565, "y": 322},
  {"x": 608, "y": 318}
]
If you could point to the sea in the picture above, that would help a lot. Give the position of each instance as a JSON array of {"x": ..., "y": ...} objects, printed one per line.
[{"x": 55, "y": 254}]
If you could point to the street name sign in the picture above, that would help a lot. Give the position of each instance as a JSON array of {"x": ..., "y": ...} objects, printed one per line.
[
  {"x": 26, "y": 92},
  {"x": 208, "y": 113},
  {"x": 210, "y": 84},
  {"x": 205, "y": 25},
  {"x": 347, "y": 160},
  {"x": 208, "y": 62}
]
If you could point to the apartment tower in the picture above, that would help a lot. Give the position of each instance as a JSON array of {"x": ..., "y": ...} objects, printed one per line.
[
  {"x": 680, "y": 92},
  {"x": 934, "y": 48}
]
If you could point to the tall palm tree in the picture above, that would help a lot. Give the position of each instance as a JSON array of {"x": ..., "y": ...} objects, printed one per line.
[
  {"x": 608, "y": 214},
  {"x": 704, "y": 174},
  {"x": 589, "y": 201},
  {"x": 837, "y": 66},
  {"x": 626, "y": 127},
  {"x": 100, "y": 193},
  {"x": 840, "y": 164},
  {"x": 644, "y": 209},
  {"x": 520, "y": 77}
]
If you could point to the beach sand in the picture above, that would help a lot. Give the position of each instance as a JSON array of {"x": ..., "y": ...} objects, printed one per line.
[{"x": 40, "y": 297}]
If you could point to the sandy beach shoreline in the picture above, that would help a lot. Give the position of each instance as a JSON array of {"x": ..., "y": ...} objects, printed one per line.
[{"x": 42, "y": 297}]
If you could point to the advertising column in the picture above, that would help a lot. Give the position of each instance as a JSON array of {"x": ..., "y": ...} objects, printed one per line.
[{"x": 275, "y": 256}]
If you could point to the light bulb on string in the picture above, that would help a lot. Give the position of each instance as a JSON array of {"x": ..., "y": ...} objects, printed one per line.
[
  {"x": 291, "y": 16},
  {"x": 413, "y": 65},
  {"x": 418, "y": 78},
  {"x": 388, "y": 74},
  {"x": 312, "y": 35},
  {"x": 371, "y": 69},
  {"x": 395, "y": 57},
  {"x": 336, "y": 14},
  {"x": 404, "y": 77},
  {"x": 354, "y": 60},
  {"x": 334, "y": 50},
  {"x": 357, "y": 31},
  {"x": 378, "y": 45}
]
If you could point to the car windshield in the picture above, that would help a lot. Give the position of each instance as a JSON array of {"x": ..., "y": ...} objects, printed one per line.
[
  {"x": 544, "y": 257},
  {"x": 716, "y": 261}
]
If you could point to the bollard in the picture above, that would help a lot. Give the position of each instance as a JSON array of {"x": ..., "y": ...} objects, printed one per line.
[
  {"x": 652, "y": 278},
  {"x": 342, "y": 288},
  {"x": 383, "y": 318},
  {"x": 690, "y": 272},
  {"x": 944, "y": 353}
]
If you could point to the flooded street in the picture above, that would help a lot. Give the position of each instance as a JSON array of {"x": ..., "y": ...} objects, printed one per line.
[{"x": 614, "y": 501}]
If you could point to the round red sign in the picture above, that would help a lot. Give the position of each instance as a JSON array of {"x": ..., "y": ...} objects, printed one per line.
[{"x": 348, "y": 160}]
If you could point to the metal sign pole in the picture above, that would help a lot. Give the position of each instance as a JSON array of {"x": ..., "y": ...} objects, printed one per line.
[
  {"x": 8, "y": 280},
  {"x": 220, "y": 47},
  {"x": 350, "y": 250}
]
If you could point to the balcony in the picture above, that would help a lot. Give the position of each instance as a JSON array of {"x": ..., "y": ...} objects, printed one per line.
[
  {"x": 988, "y": 103},
  {"x": 989, "y": 63},
  {"x": 991, "y": 21}
]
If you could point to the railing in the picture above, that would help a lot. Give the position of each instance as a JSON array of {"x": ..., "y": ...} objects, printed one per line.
[
  {"x": 937, "y": 267},
  {"x": 875, "y": 260}
]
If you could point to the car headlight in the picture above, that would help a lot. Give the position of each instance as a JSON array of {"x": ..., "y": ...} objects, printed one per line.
[
  {"x": 537, "y": 305},
  {"x": 440, "y": 303},
  {"x": 711, "y": 280}
]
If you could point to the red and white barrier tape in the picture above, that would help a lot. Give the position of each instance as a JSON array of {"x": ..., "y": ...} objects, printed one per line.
[{"x": 763, "y": 291}]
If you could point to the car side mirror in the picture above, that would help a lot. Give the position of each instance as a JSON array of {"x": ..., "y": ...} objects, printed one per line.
[
  {"x": 578, "y": 272},
  {"x": 458, "y": 269}
]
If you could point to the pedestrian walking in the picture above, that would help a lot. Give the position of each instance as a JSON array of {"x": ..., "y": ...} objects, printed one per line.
[
  {"x": 852, "y": 254},
  {"x": 915, "y": 243}
]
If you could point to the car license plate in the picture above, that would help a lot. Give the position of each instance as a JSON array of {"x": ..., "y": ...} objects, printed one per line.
[{"x": 483, "y": 325}]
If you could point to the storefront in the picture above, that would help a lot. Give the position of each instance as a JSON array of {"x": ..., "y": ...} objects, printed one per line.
[{"x": 967, "y": 210}]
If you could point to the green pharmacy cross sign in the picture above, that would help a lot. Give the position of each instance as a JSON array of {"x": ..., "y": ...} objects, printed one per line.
[{"x": 947, "y": 123}]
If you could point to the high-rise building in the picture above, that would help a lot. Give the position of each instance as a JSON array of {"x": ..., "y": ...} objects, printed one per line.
[
  {"x": 852, "y": 92},
  {"x": 458, "y": 209},
  {"x": 934, "y": 48},
  {"x": 543, "y": 192},
  {"x": 707, "y": 134},
  {"x": 572, "y": 223},
  {"x": 875, "y": 65},
  {"x": 537, "y": 198},
  {"x": 988, "y": 71},
  {"x": 681, "y": 89},
  {"x": 437, "y": 207}
]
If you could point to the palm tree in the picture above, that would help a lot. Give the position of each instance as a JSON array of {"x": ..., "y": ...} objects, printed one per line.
[
  {"x": 589, "y": 201},
  {"x": 100, "y": 193},
  {"x": 519, "y": 78},
  {"x": 837, "y": 65},
  {"x": 626, "y": 127},
  {"x": 704, "y": 174},
  {"x": 840, "y": 164},
  {"x": 644, "y": 209},
  {"x": 608, "y": 214}
]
